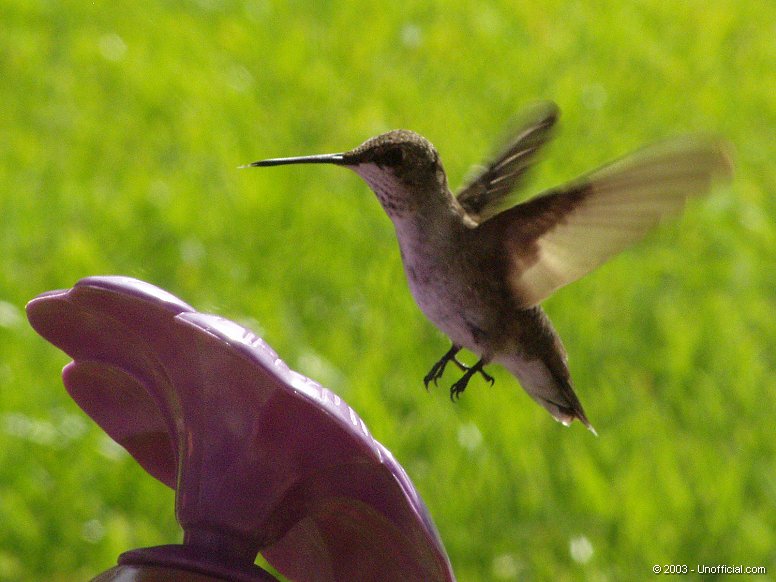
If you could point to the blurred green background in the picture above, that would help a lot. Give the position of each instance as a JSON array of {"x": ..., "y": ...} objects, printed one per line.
[{"x": 121, "y": 129}]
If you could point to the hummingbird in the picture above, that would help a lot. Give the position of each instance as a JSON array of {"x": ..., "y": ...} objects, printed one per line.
[{"x": 479, "y": 268}]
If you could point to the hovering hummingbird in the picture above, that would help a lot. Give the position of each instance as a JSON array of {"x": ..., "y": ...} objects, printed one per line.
[{"x": 479, "y": 270}]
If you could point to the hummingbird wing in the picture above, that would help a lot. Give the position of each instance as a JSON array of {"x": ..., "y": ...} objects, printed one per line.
[
  {"x": 558, "y": 237},
  {"x": 481, "y": 197}
]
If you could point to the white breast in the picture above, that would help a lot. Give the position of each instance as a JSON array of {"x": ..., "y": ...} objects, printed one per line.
[{"x": 439, "y": 284}]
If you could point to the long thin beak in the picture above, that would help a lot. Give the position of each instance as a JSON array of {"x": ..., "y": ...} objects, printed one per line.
[{"x": 338, "y": 159}]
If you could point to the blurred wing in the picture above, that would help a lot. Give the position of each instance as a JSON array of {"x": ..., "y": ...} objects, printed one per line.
[
  {"x": 481, "y": 197},
  {"x": 556, "y": 238}
]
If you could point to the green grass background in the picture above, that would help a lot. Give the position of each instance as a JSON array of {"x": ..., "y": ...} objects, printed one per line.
[{"x": 121, "y": 128}]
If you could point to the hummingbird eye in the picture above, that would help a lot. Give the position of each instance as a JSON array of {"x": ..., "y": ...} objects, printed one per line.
[{"x": 392, "y": 156}]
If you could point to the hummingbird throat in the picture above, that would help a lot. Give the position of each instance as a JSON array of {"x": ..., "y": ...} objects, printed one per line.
[{"x": 394, "y": 196}]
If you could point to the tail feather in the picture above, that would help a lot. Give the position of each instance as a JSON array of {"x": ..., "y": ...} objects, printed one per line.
[{"x": 552, "y": 392}]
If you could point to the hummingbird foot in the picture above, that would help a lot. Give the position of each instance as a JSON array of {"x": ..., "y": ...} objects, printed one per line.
[
  {"x": 487, "y": 376},
  {"x": 457, "y": 389},
  {"x": 439, "y": 368}
]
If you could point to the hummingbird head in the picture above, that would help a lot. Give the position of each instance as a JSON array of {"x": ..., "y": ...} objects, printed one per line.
[{"x": 400, "y": 166}]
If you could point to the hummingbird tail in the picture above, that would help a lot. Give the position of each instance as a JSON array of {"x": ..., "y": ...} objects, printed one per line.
[{"x": 548, "y": 389}]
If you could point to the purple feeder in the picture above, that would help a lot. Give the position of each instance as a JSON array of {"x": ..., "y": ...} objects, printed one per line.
[{"x": 262, "y": 459}]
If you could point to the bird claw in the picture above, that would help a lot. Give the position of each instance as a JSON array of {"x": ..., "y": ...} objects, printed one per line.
[
  {"x": 457, "y": 389},
  {"x": 435, "y": 374},
  {"x": 487, "y": 376},
  {"x": 439, "y": 368}
]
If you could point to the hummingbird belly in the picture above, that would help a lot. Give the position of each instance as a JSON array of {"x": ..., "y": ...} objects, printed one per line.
[{"x": 451, "y": 300}]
